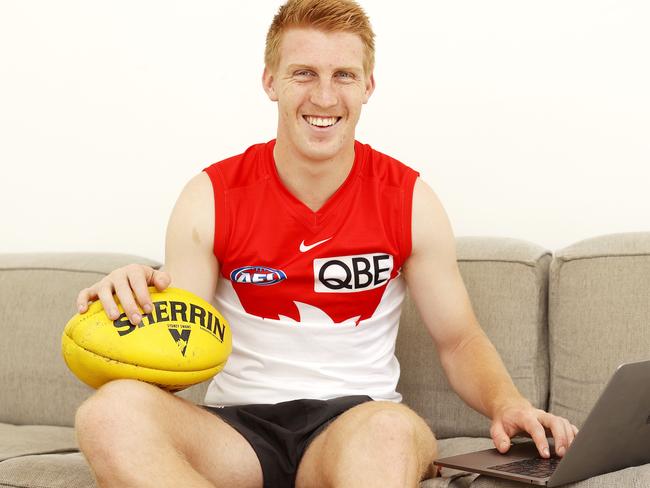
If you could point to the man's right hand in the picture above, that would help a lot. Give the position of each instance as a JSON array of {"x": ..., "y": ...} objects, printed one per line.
[{"x": 130, "y": 284}]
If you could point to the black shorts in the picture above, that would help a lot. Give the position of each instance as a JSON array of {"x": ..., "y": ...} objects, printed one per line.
[{"x": 280, "y": 433}]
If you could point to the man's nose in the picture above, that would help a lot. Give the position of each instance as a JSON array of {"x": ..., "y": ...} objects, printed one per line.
[{"x": 324, "y": 94}]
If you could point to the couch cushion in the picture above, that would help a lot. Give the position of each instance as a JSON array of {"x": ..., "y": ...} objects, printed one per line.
[
  {"x": 22, "y": 440},
  {"x": 454, "y": 478},
  {"x": 637, "y": 477},
  {"x": 37, "y": 298},
  {"x": 507, "y": 280},
  {"x": 599, "y": 314},
  {"x": 72, "y": 471},
  {"x": 196, "y": 393},
  {"x": 47, "y": 471}
]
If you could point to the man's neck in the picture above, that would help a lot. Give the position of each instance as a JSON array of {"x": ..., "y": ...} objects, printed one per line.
[{"x": 312, "y": 182}]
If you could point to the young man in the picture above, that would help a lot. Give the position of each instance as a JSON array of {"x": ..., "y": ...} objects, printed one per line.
[{"x": 305, "y": 243}]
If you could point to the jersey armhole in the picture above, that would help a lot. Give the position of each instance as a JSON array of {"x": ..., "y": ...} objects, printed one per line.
[
  {"x": 220, "y": 213},
  {"x": 407, "y": 216}
]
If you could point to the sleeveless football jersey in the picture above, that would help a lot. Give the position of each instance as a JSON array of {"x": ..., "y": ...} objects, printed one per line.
[{"x": 312, "y": 298}]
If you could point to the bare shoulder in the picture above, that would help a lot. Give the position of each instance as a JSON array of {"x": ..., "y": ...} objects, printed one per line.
[
  {"x": 194, "y": 209},
  {"x": 198, "y": 191},
  {"x": 430, "y": 227}
]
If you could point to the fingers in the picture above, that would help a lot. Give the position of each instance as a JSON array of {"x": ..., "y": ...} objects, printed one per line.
[
  {"x": 500, "y": 437},
  {"x": 562, "y": 430},
  {"x": 558, "y": 428},
  {"x": 534, "y": 427},
  {"x": 130, "y": 285},
  {"x": 535, "y": 422},
  {"x": 105, "y": 295},
  {"x": 159, "y": 279},
  {"x": 125, "y": 295},
  {"x": 84, "y": 297},
  {"x": 139, "y": 286},
  {"x": 571, "y": 432}
]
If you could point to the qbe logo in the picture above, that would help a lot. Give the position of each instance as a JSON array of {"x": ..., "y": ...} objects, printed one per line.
[{"x": 349, "y": 274}]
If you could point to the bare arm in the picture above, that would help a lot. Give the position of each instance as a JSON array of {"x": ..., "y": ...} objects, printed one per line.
[
  {"x": 189, "y": 256},
  {"x": 189, "y": 260},
  {"x": 470, "y": 361}
]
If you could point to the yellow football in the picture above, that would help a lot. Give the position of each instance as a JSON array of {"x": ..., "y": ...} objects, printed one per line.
[{"x": 183, "y": 341}]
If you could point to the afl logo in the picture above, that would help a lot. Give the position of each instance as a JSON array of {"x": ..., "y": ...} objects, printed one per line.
[{"x": 257, "y": 275}]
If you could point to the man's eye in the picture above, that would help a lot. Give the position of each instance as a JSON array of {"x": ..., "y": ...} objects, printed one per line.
[
  {"x": 345, "y": 75},
  {"x": 303, "y": 73}
]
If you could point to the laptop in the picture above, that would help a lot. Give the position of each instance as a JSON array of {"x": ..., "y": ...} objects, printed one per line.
[{"x": 616, "y": 435}]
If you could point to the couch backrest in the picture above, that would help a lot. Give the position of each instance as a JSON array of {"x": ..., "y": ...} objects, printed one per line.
[
  {"x": 507, "y": 280},
  {"x": 37, "y": 298},
  {"x": 599, "y": 317}
]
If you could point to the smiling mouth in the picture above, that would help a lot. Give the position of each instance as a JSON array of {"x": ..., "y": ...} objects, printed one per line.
[{"x": 321, "y": 121}]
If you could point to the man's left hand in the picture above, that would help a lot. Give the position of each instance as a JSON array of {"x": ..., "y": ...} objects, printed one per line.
[{"x": 522, "y": 417}]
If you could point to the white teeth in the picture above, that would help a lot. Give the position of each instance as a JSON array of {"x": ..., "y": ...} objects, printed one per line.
[{"x": 321, "y": 121}]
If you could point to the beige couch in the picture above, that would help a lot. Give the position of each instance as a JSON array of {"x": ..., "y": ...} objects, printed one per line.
[{"x": 561, "y": 322}]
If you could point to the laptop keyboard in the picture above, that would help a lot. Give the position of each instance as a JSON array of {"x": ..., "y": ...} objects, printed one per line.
[{"x": 536, "y": 467}]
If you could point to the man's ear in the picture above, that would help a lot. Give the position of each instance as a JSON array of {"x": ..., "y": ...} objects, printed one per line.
[
  {"x": 267, "y": 83},
  {"x": 370, "y": 88}
]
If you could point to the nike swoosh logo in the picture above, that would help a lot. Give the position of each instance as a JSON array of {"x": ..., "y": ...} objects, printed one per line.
[{"x": 305, "y": 248}]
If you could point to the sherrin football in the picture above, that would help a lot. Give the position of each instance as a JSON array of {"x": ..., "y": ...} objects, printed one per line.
[{"x": 182, "y": 342}]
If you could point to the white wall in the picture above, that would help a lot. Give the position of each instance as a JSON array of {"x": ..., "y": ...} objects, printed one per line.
[{"x": 529, "y": 119}]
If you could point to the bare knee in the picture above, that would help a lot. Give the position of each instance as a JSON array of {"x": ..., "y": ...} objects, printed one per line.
[
  {"x": 111, "y": 412},
  {"x": 383, "y": 443},
  {"x": 110, "y": 402},
  {"x": 388, "y": 424},
  {"x": 397, "y": 429},
  {"x": 127, "y": 421}
]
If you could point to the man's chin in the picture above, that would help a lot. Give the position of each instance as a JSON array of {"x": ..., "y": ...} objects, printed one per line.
[
  {"x": 321, "y": 150},
  {"x": 320, "y": 154}
]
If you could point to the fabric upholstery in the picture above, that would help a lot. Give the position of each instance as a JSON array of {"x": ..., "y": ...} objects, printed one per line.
[
  {"x": 36, "y": 385},
  {"x": 599, "y": 317},
  {"x": 636, "y": 477},
  {"x": 72, "y": 471},
  {"x": 22, "y": 440},
  {"x": 507, "y": 281},
  {"x": 47, "y": 471},
  {"x": 195, "y": 393}
]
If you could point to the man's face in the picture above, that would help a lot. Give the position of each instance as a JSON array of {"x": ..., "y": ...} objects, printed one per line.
[{"x": 320, "y": 86}]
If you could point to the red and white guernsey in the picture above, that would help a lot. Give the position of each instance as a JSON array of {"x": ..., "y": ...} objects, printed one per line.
[{"x": 313, "y": 298}]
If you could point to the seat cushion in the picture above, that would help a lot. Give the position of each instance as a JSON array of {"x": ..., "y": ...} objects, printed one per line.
[
  {"x": 453, "y": 478},
  {"x": 41, "y": 456},
  {"x": 23, "y": 440},
  {"x": 637, "y": 477},
  {"x": 47, "y": 471}
]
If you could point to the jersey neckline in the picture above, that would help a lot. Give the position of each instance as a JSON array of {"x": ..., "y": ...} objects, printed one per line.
[{"x": 314, "y": 220}]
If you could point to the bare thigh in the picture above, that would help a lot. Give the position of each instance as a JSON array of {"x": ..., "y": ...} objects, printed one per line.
[
  {"x": 126, "y": 417},
  {"x": 327, "y": 447}
]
